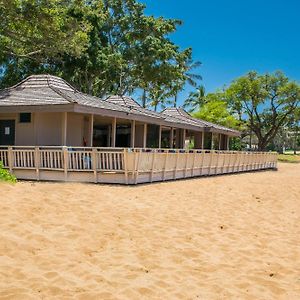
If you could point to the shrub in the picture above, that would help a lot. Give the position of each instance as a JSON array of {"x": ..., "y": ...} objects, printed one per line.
[{"x": 5, "y": 175}]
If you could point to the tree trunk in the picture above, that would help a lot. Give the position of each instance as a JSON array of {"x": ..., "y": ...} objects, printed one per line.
[
  {"x": 144, "y": 99},
  {"x": 175, "y": 101}
]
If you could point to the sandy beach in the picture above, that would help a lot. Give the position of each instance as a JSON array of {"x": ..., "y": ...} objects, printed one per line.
[{"x": 223, "y": 237}]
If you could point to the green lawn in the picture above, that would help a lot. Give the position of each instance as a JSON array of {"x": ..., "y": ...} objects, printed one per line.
[{"x": 289, "y": 158}]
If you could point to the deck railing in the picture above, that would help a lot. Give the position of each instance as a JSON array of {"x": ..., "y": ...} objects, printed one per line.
[{"x": 157, "y": 164}]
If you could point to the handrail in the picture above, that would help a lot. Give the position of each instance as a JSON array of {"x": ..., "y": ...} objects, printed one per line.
[{"x": 134, "y": 162}]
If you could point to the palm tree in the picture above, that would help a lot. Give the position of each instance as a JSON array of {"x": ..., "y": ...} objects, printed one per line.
[
  {"x": 190, "y": 78},
  {"x": 195, "y": 99}
]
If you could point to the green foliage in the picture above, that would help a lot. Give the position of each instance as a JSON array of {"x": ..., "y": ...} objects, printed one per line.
[
  {"x": 213, "y": 108},
  {"x": 264, "y": 102},
  {"x": 5, "y": 175},
  {"x": 40, "y": 30},
  {"x": 196, "y": 99},
  {"x": 100, "y": 46}
]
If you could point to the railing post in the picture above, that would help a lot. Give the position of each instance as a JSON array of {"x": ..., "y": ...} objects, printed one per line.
[
  {"x": 152, "y": 165},
  {"x": 10, "y": 158},
  {"x": 137, "y": 166},
  {"x": 94, "y": 164},
  {"x": 66, "y": 161},
  {"x": 210, "y": 161},
  {"x": 125, "y": 165},
  {"x": 193, "y": 166},
  {"x": 165, "y": 166},
  {"x": 37, "y": 162},
  {"x": 175, "y": 169}
]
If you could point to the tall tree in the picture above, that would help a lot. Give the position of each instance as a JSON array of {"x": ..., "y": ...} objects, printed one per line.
[
  {"x": 188, "y": 77},
  {"x": 127, "y": 51},
  {"x": 195, "y": 99},
  {"x": 265, "y": 102},
  {"x": 118, "y": 50}
]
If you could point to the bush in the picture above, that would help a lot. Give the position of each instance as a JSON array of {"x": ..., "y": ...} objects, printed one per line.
[{"x": 5, "y": 175}]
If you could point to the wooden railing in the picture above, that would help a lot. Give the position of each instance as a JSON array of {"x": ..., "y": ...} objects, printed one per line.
[{"x": 159, "y": 164}]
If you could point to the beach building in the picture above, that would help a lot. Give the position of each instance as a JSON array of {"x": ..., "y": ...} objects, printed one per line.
[{"x": 49, "y": 130}]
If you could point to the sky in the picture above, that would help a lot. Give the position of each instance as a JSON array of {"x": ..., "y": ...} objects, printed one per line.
[{"x": 232, "y": 37}]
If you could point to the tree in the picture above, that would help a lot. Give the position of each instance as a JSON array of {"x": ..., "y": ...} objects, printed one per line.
[
  {"x": 40, "y": 30},
  {"x": 265, "y": 102},
  {"x": 214, "y": 108},
  {"x": 127, "y": 51},
  {"x": 122, "y": 50},
  {"x": 195, "y": 99},
  {"x": 188, "y": 77}
]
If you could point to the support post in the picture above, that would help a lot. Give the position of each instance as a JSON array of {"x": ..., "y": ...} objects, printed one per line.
[
  {"x": 171, "y": 138},
  {"x": 132, "y": 134},
  {"x": 64, "y": 128},
  {"x": 227, "y": 142},
  {"x": 220, "y": 141},
  {"x": 91, "y": 129},
  {"x": 183, "y": 138},
  {"x": 202, "y": 140},
  {"x": 145, "y": 136},
  {"x": 113, "y": 132},
  {"x": 159, "y": 137}
]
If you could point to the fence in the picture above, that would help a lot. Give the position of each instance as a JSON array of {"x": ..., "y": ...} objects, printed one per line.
[{"x": 129, "y": 166}]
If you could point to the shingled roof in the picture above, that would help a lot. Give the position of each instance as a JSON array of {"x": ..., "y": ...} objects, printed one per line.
[
  {"x": 45, "y": 90},
  {"x": 183, "y": 116}
]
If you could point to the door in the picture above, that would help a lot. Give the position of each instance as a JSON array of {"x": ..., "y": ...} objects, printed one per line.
[{"x": 7, "y": 132}]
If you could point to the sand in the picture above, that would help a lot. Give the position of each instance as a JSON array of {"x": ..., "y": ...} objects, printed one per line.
[{"x": 223, "y": 237}]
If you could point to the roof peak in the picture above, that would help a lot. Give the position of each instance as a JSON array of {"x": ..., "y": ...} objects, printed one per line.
[{"x": 123, "y": 100}]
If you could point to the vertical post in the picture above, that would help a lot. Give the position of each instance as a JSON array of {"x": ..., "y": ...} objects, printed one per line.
[
  {"x": 94, "y": 164},
  {"x": 37, "y": 162},
  {"x": 183, "y": 138},
  {"x": 113, "y": 132},
  {"x": 132, "y": 134},
  {"x": 10, "y": 158},
  {"x": 66, "y": 161},
  {"x": 171, "y": 138},
  {"x": 176, "y": 163},
  {"x": 202, "y": 142},
  {"x": 165, "y": 166},
  {"x": 159, "y": 137},
  {"x": 145, "y": 136},
  {"x": 227, "y": 142},
  {"x": 220, "y": 141},
  {"x": 64, "y": 128},
  {"x": 125, "y": 165},
  {"x": 91, "y": 129},
  {"x": 212, "y": 142},
  {"x": 137, "y": 166},
  {"x": 152, "y": 165}
]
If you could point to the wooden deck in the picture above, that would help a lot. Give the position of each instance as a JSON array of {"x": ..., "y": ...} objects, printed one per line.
[{"x": 127, "y": 166}]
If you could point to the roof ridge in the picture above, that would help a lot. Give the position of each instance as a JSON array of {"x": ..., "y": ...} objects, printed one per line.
[{"x": 58, "y": 91}]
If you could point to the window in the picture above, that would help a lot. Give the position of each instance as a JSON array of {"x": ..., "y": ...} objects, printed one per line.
[{"x": 25, "y": 117}]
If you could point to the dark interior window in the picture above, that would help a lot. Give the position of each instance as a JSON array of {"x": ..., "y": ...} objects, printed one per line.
[{"x": 25, "y": 117}]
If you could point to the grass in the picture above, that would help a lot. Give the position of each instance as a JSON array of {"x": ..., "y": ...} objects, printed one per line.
[
  {"x": 289, "y": 158},
  {"x": 5, "y": 175}
]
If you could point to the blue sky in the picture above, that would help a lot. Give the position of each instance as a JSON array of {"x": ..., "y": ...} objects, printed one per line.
[{"x": 233, "y": 37}]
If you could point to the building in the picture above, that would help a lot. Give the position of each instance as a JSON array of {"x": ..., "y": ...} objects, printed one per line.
[
  {"x": 51, "y": 131},
  {"x": 45, "y": 110}
]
